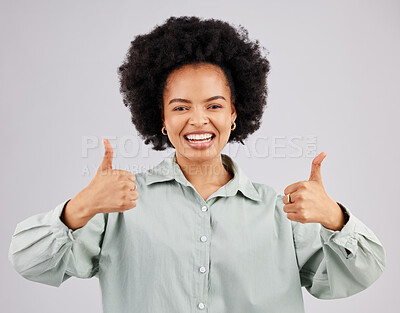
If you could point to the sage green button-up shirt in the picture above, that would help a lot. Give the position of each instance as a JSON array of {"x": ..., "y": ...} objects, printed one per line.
[{"x": 236, "y": 252}]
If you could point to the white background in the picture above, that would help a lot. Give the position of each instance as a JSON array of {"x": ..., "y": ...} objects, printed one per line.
[{"x": 334, "y": 75}]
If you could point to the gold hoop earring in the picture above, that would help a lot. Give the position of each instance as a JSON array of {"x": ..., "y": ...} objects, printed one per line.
[
  {"x": 234, "y": 126},
  {"x": 162, "y": 130}
]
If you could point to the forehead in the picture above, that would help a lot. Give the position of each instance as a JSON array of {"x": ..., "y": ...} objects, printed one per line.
[{"x": 198, "y": 76}]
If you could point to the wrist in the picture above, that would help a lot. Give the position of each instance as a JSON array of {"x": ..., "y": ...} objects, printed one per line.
[
  {"x": 76, "y": 213},
  {"x": 80, "y": 209},
  {"x": 83, "y": 204},
  {"x": 337, "y": 219}
]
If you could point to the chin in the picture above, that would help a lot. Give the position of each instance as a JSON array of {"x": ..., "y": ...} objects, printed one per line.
[{"x": 198, "y": 155}]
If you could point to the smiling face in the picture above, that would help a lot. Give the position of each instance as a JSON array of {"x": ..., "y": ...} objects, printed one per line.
[{"x": 197, "y": 106}]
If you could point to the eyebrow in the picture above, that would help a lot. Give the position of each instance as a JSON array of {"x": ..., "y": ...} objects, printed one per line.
[{"x": 188, "y": 101}]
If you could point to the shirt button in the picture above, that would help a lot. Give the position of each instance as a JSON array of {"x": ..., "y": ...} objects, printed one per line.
[
  {"x": 201, "y": 306},
  {"x": 204, "y": 208},
  {"x": 69, "y": 233},
  {"x": 202, "y": 269},
  {"x": 203, "y": 238}
]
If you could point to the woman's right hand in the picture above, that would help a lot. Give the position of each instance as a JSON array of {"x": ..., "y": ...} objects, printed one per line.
[{"x": 109, "y": 191}]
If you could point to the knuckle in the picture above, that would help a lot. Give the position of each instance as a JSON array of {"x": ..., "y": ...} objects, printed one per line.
[
  {"x": 123, "y": 183},
  {"x": 303, "y": 217},
  {"x": 302, "y": 185},
  {"x": 125, "y": 186},
  {"x": 130, "y": 205},
  {"x": 300, "y": 203},
  {"x": 129, "y": 175},
  {"x": 290, "y": 216}
]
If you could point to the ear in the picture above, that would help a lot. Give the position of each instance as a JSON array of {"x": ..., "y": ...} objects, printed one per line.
[
  {"x": 234, "y": 114},
  {"x": 162, "y": 117}
]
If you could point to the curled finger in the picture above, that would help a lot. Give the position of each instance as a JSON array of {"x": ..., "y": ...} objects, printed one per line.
[
  {"x": 133, "y": 187},
  {"x": 290, "y": 208}
]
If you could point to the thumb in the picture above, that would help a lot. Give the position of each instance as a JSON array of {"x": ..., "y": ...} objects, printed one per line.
[
  {"x": 316, "y": 167},
  {"x": 108, "y": 156}
]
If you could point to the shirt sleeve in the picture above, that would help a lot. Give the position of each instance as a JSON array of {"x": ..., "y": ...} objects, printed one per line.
[
  {"x": 45, "y": 250},
  {"x": 337, "y": 264}
]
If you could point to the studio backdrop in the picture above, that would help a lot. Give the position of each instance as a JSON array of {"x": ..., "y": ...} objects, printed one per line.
[{"x": 333, "y": 87}]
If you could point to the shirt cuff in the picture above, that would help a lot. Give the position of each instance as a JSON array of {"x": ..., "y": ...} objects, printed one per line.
[{"x": 347, "y": 237}]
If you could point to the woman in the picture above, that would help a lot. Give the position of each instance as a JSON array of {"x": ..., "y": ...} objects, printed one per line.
[{"x": 194, "y": 233}]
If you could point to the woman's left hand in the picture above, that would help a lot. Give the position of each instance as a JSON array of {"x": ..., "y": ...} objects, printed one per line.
[{"x": 309, "y": 202}]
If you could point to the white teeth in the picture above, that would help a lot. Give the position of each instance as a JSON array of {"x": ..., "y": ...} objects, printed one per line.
[
  {"x": 199, "y": 136},
  {"x": 199, "y": 141}
]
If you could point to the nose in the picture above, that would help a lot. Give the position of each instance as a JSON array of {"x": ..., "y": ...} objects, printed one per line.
[{"x": 198, "y": 117}]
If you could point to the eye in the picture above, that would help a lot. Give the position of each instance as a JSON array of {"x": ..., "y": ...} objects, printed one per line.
[
  {"x": 178, "y": 109},
  {"x": 215, "y": 106}
]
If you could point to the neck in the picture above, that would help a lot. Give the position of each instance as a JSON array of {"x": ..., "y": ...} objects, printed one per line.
[{"x": 208, "y": 172}]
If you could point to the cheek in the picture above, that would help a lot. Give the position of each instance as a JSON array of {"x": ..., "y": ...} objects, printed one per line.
[
  {"x": 225, "y": 124},
  {"x": 174, "y": 124}
]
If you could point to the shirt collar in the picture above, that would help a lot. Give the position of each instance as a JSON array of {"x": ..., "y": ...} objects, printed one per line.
[{"x": 169, "y": 169}]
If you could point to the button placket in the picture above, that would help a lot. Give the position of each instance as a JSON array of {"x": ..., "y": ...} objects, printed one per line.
[{"x": 204, "y": 249}]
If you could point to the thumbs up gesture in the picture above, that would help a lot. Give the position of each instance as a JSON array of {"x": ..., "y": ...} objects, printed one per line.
[
  {"x": 308, "y": 202},
  {"x": 110, "y": 190}
]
